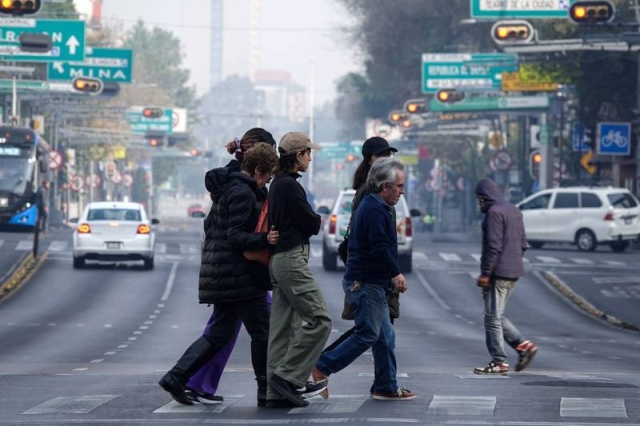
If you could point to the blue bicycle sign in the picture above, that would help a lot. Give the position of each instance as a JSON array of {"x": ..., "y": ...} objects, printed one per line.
[{"x": 613, "y": 138}]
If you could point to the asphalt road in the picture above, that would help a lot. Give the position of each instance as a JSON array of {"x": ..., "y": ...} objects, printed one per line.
[{"x": 88, "y": 346}]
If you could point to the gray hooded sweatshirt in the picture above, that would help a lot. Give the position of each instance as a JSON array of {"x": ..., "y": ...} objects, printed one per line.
[{"x": 503, "y": 238}]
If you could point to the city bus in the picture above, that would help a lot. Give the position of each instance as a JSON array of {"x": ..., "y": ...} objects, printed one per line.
[{"x": 24, "y": 165}]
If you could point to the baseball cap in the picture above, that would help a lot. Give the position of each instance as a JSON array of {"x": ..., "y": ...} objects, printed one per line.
[
  {"x": 376, "y": 146},
  {"x": 294, "y": 142}
]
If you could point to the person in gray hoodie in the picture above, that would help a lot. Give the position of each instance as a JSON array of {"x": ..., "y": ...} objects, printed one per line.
[{"x": 503, "y": 245}]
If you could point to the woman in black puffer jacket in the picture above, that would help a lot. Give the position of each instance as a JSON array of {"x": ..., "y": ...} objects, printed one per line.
[{"x": 236, "y": 286}]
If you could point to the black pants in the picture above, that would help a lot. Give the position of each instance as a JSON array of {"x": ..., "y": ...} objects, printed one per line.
[{"x": 254, "y": 314}]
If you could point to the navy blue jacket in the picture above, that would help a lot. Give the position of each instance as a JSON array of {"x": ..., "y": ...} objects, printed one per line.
[
  {"x": 503, "y": 238},
  {"x": 373, "y": 243}
]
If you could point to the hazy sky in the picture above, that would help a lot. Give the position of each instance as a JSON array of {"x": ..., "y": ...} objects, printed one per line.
[{"x": 294, "y": 33}]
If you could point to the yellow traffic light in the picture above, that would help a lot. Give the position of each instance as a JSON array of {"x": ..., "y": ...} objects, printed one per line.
[
  {"x": 152, "y": 112},
  {"x": 91, "y": 86},
  {"x": 154, "y": 142},
  {"x": 20, "y": 7},
  {"x": 536, "y": 158},
  {"x": 592, "y": 12},
  {"x": 406, "y": 124},
  {"x": 194, "y": 152},
  {"x": 512, "y": 32},
  {"x": 415, "y": 106},
  {"x": 350, "y": 158},
  {"x": 449, "y": 96},
  {"x": 397, "y": 116}
]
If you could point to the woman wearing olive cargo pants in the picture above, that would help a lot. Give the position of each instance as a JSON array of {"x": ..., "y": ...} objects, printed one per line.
[{"x": 299, "y": 324}]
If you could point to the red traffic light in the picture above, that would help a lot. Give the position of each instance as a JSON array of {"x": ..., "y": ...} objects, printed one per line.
[
  {"x": 592, "y": 12},
  {"x": 154, "y": 142},
  {"x": 449, "y": 96},
  {"x": 20, "y": 7},
  {"x": 350, "y": 158},
  {"x": 152, "y": 112},
  {"x": 512, "y": 32},
  {"x": 91, "y": 86}
]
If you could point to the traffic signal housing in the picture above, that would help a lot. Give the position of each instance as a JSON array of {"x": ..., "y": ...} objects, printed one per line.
[
  {"x": 415, "y": 106},
  {"x": 87, "y": 85},
  {"x": 152, "y": 112},
  {"x": 592, "y": 12},
  {"x": 20, "y": 7},
  {"x": 535, "y": 158},
  {"x": 449, "y": 96},
  {"x": 512, "y": 32},
  {"x": 155, "y": 138},
  {"x": 397, "y": 116}
]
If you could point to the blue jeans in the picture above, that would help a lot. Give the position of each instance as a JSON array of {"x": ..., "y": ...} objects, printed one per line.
[
  {"x": 497, "y": 327},
  {"x": 372, "y": 330}
]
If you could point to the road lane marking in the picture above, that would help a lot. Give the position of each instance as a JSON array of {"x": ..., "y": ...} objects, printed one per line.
[
  {"x": 57, "y": 246},
  {"x": 477, "y": 257},
  {"x": 71, "y": 404},
  {"x": 431, "y": 291},
  {"x": 547, "y": 259},
  {"x": 177, "y": 408},
  {"x": 338, "y": 404},
  {"x": 161, "y": 248},
  {"x": 24, "y": 245},
  {"x": 581, "y": 261},
  {"x": 462, "y": 405},
  {"x": 169, "y": 285},
  {"x": 592, "y": 407},
  {"x": 614, "y": 263},
  {"x": 1, "y": 243},
  {"x": 616, "y": 280},
  {"x": 450, "y": 257},
  {"x": 96, "y": 361},
  {"x": 418, "y": 255}
]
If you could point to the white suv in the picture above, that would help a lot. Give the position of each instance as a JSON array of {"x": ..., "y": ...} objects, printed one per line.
[
  {"x": 583, "y": 216},
  {"x": 335, "y": 227}
]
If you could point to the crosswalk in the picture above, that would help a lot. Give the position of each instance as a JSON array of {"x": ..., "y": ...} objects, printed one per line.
[
  {"x": 437, "y": 406},
  {"x": 192, "y": 251}
]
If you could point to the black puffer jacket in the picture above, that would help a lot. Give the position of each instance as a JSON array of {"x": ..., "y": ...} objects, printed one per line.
[{"x": 225, "y": 274}]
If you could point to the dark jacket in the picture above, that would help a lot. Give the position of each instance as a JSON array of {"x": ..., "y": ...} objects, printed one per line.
[
  {"x": 290, "y": 212},
  {"x": 225, "y": 274},
  {"x": 373, "y": 243},
  {"x": 503, "y": 238}
]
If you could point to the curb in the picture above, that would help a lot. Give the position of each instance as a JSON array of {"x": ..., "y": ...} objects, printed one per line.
[
  {"x": 20, "y": 275},
  {"x": 586, "y": 306}
]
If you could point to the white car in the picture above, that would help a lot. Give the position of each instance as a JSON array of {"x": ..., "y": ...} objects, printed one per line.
[
  {"x": 585, "y": 216},
  {"x": 335, "y": 227},
  {"x": 114, "y": 231}
]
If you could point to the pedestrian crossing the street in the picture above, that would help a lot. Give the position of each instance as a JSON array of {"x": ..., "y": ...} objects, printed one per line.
[{"x": 191, "y": 251}]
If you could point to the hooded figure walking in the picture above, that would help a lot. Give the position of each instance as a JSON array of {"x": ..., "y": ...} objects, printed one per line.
[{"x": 503, "y": 245}]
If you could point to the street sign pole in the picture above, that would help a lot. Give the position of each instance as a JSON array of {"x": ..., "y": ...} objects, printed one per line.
[{"x": 546, "y": 165}]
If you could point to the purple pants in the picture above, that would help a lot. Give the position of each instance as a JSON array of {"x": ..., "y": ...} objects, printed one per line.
[{"x": 208, "y": 377}]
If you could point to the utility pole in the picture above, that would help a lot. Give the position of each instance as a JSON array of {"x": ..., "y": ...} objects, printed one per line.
[
  {"x": 546, "y": 165},
  {"x": 637, "y": 182}
]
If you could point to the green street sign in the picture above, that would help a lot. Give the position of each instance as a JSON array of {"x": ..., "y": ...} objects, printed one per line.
[
  {"x": 140, "y": 124},
  {"x": 338, "y": 150},
  {"x": 483, "y": 103},
  {"x": 30, "y": 86},
  {"x": 106, "y": 64},
  {"x": 512, "y": 9},
  {"x": 465, "y": 70},
  {"x": 67, "y": 38}
]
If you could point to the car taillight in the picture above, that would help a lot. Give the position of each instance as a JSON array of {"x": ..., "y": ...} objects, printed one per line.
[
  {"x": 409, "y": 230},
  {"x": 144, "y": 229},
  {"x": 84, "y": 228},
  {"x": 332, "y": 223},
  {"x": 609, "y": 216}
]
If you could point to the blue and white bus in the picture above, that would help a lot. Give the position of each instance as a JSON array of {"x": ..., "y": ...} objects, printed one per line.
[{"x": 24, "y": 165}]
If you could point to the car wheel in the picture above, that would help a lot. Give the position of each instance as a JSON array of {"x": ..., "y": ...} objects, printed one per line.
[
  {"x": 329, "y": 259},
  {"x": 404, "y": 263},
  {"x": 148, "y": 263},
  {"x": 78, "y": 262},
  {"x": 619, "y": 246},
  {"x": 586, "y": 240},
  {"x": 536, "y": 244}
]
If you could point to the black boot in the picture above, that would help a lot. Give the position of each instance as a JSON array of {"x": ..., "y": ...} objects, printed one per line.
[
  {"x": 174, "y": 382},
  {"x": 259, "y": 362}
]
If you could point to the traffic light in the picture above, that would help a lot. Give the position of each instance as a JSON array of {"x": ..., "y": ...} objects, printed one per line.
[
  {"x": 88, "y": 85},
  {"x": 397, "y": 116},
  {"x": 415, "y": 106},
  {"x": 535, "y": 158},
  {"x": 406, "y": 124},
  {"x": 195, "y": 152},
  {"x": 20, "y": 7},
  {"x": 512, "y": 32},
  {"x": 351, "y": 158},
  {"x": 449, "y": 96},
  {"x": 592, "y": 12},
  {"x": 152, "y": 112},
  {"x": 111, "y": 169},
  {"x": 155, "y": 138}
]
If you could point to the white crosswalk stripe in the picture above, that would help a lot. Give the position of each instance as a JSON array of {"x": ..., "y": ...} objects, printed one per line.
[
  {"x": 1, "y": 243},
  {"x": 450, "y": 257},
  {"x": 189, "y": 248},
  {"x": 24, "y": 245},
  {"x": 593, "y": 407},
  {"x": 71, "y": 405},
  {"x": 462, "y": 405},
  {"x": 418, "y": 255},
  {"x": 614, "y": 263},
  {"x": 335, "y": 405},
  {"x": 57, "y": 246},
  {"x": 177, "y": 408},
  {"x": 477, "y": 257},
  {"x": 581, "y": 261},
  {"x": 161, "y": 248},
  {"x": 547, "y": 259}
]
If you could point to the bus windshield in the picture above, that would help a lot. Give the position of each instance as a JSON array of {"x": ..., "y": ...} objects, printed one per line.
[{"x": 15, "y": 174}]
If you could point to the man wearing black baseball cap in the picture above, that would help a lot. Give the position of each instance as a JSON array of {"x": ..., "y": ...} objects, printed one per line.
[{"x": 377, "y": 146}]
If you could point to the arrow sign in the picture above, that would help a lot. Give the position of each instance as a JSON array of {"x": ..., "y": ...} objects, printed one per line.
[
  {"x": 68, "y": 39},
  {"x": 114, "y": 65}
]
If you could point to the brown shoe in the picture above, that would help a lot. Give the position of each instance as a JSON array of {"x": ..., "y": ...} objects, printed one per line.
[
  {"x": 403, "y": 394},
  {"x": 318, "y": 376}
]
